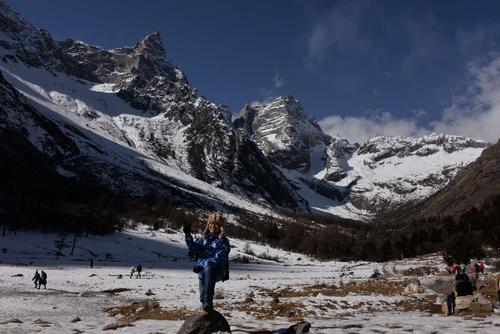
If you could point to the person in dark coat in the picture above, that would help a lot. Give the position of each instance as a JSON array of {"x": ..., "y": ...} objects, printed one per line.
[
  {"x": 498, "y": 287},
  {"x": 43, "y": 280},
  {"x": 36, "y": 278},
  {"x": 463, "y": 286},
  {"x": 211, "y": 253},
  {"x": 139, "y": 269},
  {"x": 461, "y": 269}
]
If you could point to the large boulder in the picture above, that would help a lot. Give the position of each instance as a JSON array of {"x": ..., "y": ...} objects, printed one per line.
[
  {"x": 205, "y": 323},
  {"x": 474, "y": 303},
  {"x": 481, "y": 304},
  {"x": 463, "y": 302}
]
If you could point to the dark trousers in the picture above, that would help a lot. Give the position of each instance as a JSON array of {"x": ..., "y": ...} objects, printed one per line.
[
  {"x": 207, "y": 279},
  {"x": 450, "y": 303}
]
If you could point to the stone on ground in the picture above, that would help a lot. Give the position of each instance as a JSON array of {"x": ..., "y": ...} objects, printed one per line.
[
  {"x": 463, "y": 302},
  {"x": 205, "y": 323},
  {"x": 413, "y": 288},
  {"x": 300, "y": 328}
]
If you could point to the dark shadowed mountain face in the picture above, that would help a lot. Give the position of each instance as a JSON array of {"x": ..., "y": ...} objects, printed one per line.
[{"x": 128, "y": 121}]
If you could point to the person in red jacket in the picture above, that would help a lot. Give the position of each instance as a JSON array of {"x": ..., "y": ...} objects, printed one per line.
[{"x": 481, "y": 267}]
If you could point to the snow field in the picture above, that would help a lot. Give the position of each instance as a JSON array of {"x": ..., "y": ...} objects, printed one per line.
[{"x": 306, "y": 289}]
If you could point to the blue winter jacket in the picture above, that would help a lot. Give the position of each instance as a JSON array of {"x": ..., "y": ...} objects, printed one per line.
[{"x": 211, "y": 250}]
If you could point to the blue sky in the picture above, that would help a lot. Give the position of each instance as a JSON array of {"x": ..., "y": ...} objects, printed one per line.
[{"x": 362, "y": 68}]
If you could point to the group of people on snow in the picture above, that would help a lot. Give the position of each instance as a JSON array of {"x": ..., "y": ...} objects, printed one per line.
[
  {"x": 465, "y": 285},
  {"x": 137, "y": 270},
  {"x": 211, "y": 252},
  {"x": 40, "y": 279}
]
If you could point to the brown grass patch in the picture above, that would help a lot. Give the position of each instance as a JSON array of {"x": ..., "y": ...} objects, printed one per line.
[
  {"x": 302, "y": 291},
  {"x": 487, "y": 287},
  {"x": 147, "y": 309},
  {"x": 295, "y": 311},
  {"x": 117, "y": 290},
  {"x": 375, "y": 286},
  {"x": 420, "y": 271},
  {"x": 425, "y": 304}
]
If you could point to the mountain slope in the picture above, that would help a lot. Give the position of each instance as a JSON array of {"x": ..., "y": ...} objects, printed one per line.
[
  {"x": 138, "y": 125},
  {"x": 386, "y": 172}
]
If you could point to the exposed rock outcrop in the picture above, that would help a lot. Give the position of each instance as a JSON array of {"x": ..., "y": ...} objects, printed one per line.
[{"x": 205, "y": 323}]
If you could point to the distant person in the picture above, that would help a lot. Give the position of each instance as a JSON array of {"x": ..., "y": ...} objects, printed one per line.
[
  {"x": 498, "y": 287},
  {"x": 474, "y": 271},
  {"x": 43, "y": 280},
  {"x": 461, "y": 269},
  {"x": 477, "y": 267},
  {"x": 91, "y": 263},
  {"x": 481, "y": 267},
  {"x": 132, "y": 271},
  {"x": 211, "y": 253},
  {"x": 450, "y": 303},
  {"x": 36, "y": 278},
  {"x": 139, "y": 270}
]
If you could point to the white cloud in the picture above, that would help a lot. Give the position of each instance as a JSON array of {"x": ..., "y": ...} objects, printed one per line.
[
  {"x": 359, "y": 129},
  {"x": 278, "y": 81},
  {"x": 475, "y": 112},
  {"x": 340, "y": 30},
  {"x": 266, "y": 100},
  {"x": 267, "y": 95},
  {"x": 419, "y": 112}
]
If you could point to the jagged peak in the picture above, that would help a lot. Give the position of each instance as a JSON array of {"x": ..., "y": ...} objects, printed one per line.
[
  {"x": 433, "y": 137},
  {"x": 152, "y": 44}
]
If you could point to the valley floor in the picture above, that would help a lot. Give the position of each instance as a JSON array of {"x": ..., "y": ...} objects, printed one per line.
[{"x": 335, "y": 297}]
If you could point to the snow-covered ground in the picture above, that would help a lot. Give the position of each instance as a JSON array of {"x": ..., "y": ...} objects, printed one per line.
[{"x": 335, "y": 297}]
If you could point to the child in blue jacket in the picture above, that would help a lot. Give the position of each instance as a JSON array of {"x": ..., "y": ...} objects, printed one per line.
[{"x": 211, "y": 253}]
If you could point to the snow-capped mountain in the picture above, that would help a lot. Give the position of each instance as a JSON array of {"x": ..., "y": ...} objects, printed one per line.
[
  {"x": 129, "y": 120},
  {"x": 137, "y": 124},
  {"x": 473, "y": 196},
  {"x": 353, "y": 180},
  {"x": 388, "y": 171},
  {"x": 283, "y": 132}
]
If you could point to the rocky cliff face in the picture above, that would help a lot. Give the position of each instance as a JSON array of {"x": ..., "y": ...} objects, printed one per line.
[{"x": 283, "y": 132}]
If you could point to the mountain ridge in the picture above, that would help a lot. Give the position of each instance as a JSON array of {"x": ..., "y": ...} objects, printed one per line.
[{"x": 138, "y": 123}]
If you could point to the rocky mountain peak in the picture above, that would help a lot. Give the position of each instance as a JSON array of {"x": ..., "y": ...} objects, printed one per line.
[
  {"x": 288, "y": 106},
  {"x": 151, "y": 47},
  {"x": 383, "y": 147},
  {"x": 282, "y": 131}
]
